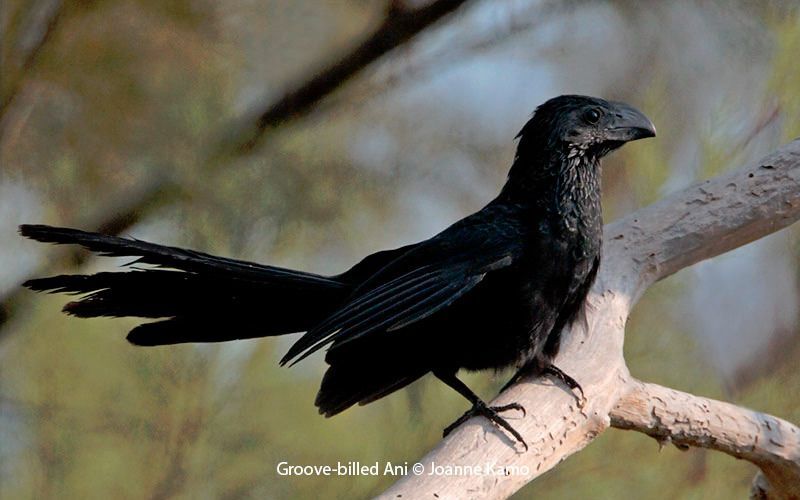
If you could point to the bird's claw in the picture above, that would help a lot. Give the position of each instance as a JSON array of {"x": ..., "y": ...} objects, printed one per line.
[
  {"x": 491, "y": 413},
  {"x": 569, "y": 382},
  {"x": 510, "y": 406}
]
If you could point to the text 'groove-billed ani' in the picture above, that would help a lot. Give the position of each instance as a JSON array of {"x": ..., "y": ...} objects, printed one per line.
[{"x": 493, "y": 290}]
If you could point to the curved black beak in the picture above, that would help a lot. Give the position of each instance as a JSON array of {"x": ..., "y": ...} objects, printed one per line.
[{"x": 628, "y": 124}]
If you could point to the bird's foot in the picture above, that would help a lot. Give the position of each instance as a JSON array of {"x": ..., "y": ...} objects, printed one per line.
[
  {"x": 568, "y": 381},
  {"x": 492, "y": 414}
]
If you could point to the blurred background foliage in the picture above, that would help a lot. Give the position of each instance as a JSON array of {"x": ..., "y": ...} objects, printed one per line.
[{"x": 103, "y": 99}]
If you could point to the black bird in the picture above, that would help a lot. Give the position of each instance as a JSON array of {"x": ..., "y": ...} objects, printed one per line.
[{"x": 493, "y": 290}]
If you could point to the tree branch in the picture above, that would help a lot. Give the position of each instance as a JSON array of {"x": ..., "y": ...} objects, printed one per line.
[
  {"x": 41, "y": 20},
  {"x": 402, "y": 24},
  {"x": 687, "y": 420},
  {"x": 697, "y": 223}
]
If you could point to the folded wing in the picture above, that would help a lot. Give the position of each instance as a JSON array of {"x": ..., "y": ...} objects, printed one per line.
[{"x": 418, "y": 284}]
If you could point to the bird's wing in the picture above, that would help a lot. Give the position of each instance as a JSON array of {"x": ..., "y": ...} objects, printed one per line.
[
  {"x": 416, "y": 285},
  {"x": 372, "y": 264}
]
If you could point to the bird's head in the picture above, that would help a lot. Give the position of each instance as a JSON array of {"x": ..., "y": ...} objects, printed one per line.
[{"x": 580, "y": 125}]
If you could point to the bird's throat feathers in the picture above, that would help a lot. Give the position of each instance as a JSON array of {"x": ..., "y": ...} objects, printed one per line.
[{"x": 560, "y": 180}]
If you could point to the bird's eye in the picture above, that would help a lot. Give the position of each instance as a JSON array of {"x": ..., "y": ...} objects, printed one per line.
[{"x": 592, "y": 116}]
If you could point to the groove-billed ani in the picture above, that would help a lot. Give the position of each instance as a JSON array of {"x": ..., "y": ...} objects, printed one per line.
[{"x": 492, "y": 290}]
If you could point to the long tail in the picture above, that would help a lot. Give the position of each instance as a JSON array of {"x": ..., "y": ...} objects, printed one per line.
[{"x": 198, "y": 297}]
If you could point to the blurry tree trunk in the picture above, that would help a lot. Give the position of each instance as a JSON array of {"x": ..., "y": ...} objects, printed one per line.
[
  {"x": 404, "y": 20},
  {"x": 40, "y": 20},
  {"x": 698, "y": 223}
]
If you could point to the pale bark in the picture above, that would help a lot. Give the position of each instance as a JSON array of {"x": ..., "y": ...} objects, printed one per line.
[
  {"x": 683, "y": 419},
  {"x": 700, "y": 222}
]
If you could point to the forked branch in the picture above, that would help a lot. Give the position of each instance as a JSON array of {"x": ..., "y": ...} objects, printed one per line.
[{"x": 698, "y": 223}]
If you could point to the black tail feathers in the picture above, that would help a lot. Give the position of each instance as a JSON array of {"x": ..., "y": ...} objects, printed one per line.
[
  {"x": 201, "y": 297},
  {"x": 173, "y": 257}
]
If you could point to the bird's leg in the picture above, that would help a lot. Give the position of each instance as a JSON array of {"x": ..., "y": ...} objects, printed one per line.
[
  {"x": 568, "y": 381},
  {"x": 479, "y": 408},
  {"x": 529, "y": 368}
]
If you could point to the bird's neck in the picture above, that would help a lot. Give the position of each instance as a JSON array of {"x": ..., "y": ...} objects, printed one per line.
[{"x": 562, "y": 189}]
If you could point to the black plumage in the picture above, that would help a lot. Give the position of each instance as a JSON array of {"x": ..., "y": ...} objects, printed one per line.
[{"x": 491, "y": 291}]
